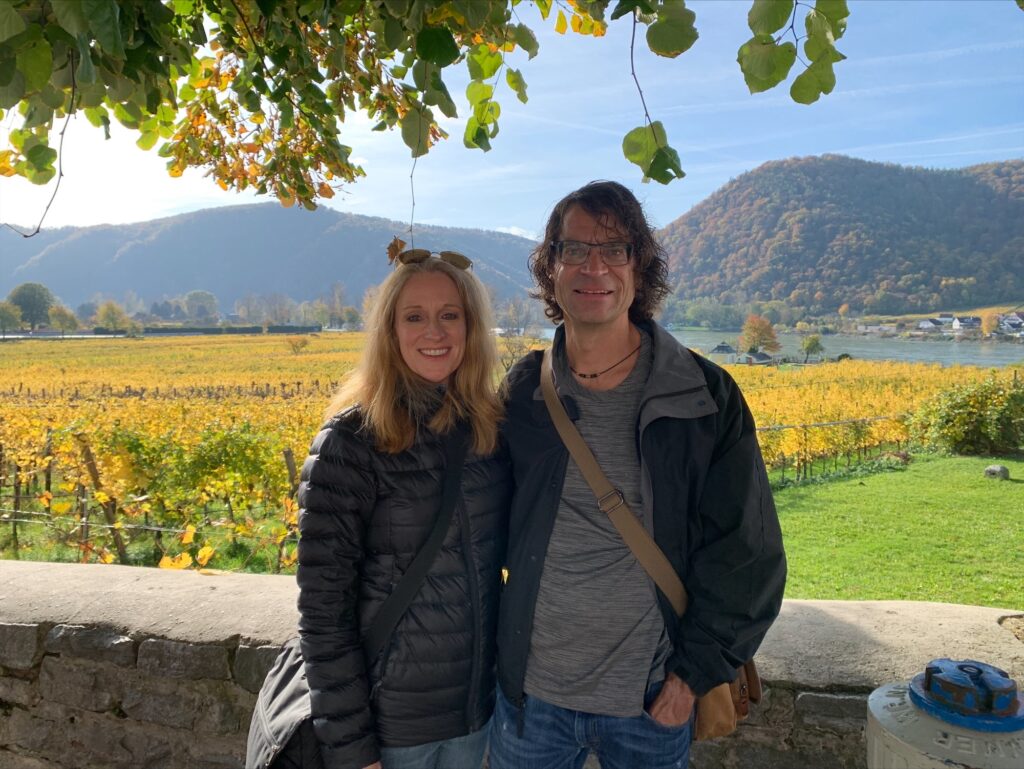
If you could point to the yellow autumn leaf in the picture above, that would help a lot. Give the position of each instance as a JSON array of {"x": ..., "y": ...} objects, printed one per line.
[
  {"x": 205, "y": 554},
  {"x": 59, "y": 508},
  {"x": 325, "y": 190},
  {"x": 106, "y": 556},
  {"x": 560, "y": 24},
  {"x": 180, "y": 561},
  {"x": 101, "y": 497},
  {"x": 118, "y": 525},
  {"x": 175, "y": 171},
  {"x": 6, "y": 167},
  {"x": 188, "y": 535},
  {"x": 577, "y": 23}
]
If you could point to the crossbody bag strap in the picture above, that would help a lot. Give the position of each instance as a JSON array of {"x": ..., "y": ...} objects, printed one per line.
[
  {"x": 610, "y": 499},
  {"x": 456, "y": 444}
]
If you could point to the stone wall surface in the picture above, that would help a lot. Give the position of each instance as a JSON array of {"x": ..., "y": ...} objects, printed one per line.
[{"x": 110, "y": 667}]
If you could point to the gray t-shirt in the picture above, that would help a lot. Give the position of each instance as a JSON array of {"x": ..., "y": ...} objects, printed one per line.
[{"x": 598, "y": 635}]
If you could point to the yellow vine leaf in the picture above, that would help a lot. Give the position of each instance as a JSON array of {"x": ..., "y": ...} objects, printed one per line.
[
  {"x": 59, "y": 508},
  {"x": 106, "y": 556},
  {"x": 205, "y": 554},
  {"x": 101, "y": 497},
  {"x": 188, "y": 535},
  {"x": 560, "y": 24},
  {"x": 180, "y": 561}
]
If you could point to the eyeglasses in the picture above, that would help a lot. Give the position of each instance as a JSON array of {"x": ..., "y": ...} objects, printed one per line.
[
  {"x": 418, "y": 255},
  {"x": 577, "y": 252}
]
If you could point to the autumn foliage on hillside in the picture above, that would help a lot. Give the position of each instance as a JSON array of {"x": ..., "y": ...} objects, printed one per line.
[{"x": 820, "y": 232}]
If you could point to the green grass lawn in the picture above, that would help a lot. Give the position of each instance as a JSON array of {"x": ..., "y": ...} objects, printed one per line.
[{"x": 935, "y": 531}]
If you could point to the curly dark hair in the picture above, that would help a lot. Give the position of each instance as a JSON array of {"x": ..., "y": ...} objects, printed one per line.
[{"x": 611, "y": 200}]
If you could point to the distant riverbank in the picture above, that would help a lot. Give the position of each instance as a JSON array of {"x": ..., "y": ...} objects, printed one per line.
[{"x": 946, "y": 352}]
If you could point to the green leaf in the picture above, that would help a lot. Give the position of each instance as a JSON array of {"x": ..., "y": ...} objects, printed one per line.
[
  {"x": 836, "y": 12},
  {"x": 487, "y": 112},
  {"x": 640, "y": 145},
  {"x": 473, "y": 11},
  {"x": 767, "y": 16},
  {"x": 438, "y": 95},
  {"x": 482, "y": 62},
  {"x": 814, "y": 81},
  {"x": 147, "y": 140},
  {"x": 516, "y": 82},
  {"x": 764, "y": 63},
  {"x": 632, "y": 6},
  {"x": 394, "y": 34},
  {"x": 96, "y": 115},
  {"x": 477, "y": 92},
  {"x": 103, "y": 18},
  {"x": 416, "y": 130},
  {"x": 436, "y": 45},
  {"x": 52, "y": 97},
  {"x": 85, "y": 72},
  {"x": 71, "y": 16},
  {"x": 37, "y": 115},
  {"x": 41, "y": 156},
  {"x": 36, "y": 175},
  {"x": 544, "y": 6},
  {"x": 476, "y": 136},
  {"x": 673, "y": 32},
  {"x": 11, "y": 22},
  {"x": 526, "y": 40},
  {"x": 36, "y": 64},
  {"x": 8, "y": 66},
  {"x": 665, "y": 166}
]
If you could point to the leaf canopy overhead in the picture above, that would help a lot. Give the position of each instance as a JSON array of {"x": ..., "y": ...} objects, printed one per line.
[{"x": 257, "y": 91}]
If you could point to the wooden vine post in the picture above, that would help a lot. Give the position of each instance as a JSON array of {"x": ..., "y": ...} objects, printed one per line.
[{"x": 110, "y": 507}]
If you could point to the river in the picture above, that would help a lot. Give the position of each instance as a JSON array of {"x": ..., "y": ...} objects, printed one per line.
[{"x": 947, "y": 352}]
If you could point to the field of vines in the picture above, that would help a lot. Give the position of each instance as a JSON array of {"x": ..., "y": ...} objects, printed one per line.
[{"x": 184, "y": 452}]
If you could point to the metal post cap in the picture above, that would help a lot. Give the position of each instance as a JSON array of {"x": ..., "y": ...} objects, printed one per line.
[{"x": 969, "y": 693}]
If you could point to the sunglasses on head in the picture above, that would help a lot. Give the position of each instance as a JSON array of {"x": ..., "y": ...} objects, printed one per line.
[{"x": 418, "y": 255}]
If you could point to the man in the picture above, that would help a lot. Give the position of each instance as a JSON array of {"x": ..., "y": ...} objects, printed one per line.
[{"x": 591, "y": 655}]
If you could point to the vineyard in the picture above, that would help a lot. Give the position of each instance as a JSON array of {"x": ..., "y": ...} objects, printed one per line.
[{"x": 185, "y": 453}]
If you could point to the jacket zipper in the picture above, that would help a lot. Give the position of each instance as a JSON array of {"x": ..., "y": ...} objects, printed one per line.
[
  {"x": 474, "y": 598},
  {"x": 375, "y": 689}
]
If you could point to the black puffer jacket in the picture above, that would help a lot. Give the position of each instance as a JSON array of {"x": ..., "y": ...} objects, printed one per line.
[{"x": 365, "y": 516}]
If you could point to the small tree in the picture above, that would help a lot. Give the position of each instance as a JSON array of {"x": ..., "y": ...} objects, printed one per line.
[
  {"x": 200, "y": 305},
  {"x": 10, "y": 317},
  {"x": 34, "y": 300},
  {"x": 61, "y": 317},
  {"x": 811, "y": 345},
  {"x": 989, "y": 323},
  {"x": 353, "y": 320},
  {"x": 110, "y": 315},
  {"x": 758, "y": 334}
]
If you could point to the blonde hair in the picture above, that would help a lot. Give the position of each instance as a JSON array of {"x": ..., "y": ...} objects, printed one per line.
[{"x": 390, "y": 393}]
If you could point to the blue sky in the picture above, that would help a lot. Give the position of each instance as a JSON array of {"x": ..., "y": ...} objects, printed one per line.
[{"x": 935, "y": 83}]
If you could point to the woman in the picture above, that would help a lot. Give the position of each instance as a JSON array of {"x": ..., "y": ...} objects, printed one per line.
[{"x": 371, "y": 492}]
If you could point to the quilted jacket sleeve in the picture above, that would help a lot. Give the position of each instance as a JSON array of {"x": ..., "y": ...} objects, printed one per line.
[{"x": 337, "y": 495}]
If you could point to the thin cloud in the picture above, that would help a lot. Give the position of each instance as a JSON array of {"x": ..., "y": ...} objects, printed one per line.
[
  {"x": 940, "y": 54},
  {"x": 1000, "y": 131}
]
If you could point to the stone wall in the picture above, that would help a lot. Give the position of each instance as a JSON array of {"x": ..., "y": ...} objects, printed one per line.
[{"x": 107, "y": 667}]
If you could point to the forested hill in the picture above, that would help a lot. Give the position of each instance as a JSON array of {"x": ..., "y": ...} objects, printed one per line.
[
  {"x": 820, "y": 232},
  {"x": 233, "y": 251}
]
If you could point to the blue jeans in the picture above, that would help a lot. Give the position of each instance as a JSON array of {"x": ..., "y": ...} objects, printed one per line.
[
  {"x": 465, "y": 752},
  {"x": 559, "y": 738}
]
